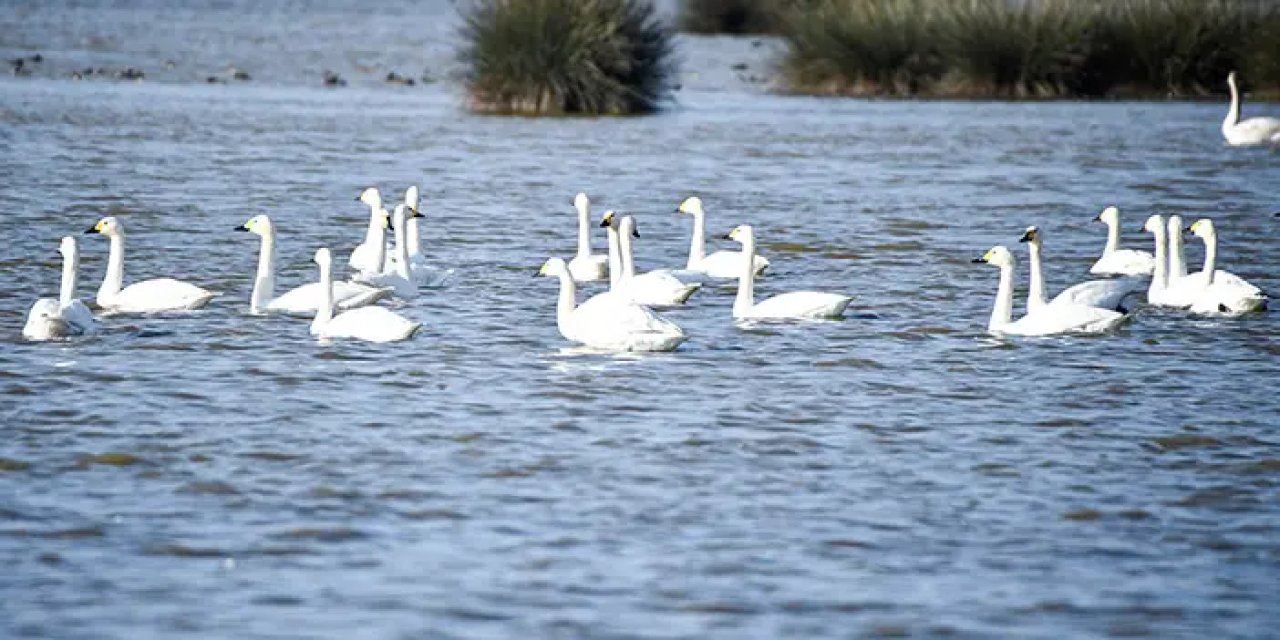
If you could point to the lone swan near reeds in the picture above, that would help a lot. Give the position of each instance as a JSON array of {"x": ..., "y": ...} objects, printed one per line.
[
  {"x": 1251, "y": 131},
  {"x": 148, "y": 296}
]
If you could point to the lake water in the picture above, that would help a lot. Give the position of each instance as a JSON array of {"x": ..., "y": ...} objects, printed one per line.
[{"x": 899, "y": 472}]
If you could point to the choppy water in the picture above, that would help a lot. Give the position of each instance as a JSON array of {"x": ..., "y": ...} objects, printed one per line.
[{"x": 895, "y": 473}]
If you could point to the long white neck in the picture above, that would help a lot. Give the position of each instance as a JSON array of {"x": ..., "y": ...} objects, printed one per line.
[
  {"x": 615, "y": 257},
  {"x": 378, "y": 236},
  {"x": 567, "y": 301},
  {"x": 1160, "y": 279},
  {"x": 584, "y": 232},
  {"x": 70, "y": 270},
  {"x": 411, "y": 232},
  {"x": 264, "y": 284},
  {"x": 1113, "y": 238},
  {"x": 698, "y": 245},
  {"x": 1035, "y": 294},
  {"x": 114, "y": 280},
  {"x": 1233, "y": 114},
  {"x": 746, "y": 297},
  {"x": 375, "y": 224},
  {"x": 1177, "y": 261},
  {"x": 1002, "y": 313},
  {"x": 402, "y": 249},
  {"x": 324, "y": 312},
  {"x": 628, "y": 258},
  {"x": 1210, "y": 257}
]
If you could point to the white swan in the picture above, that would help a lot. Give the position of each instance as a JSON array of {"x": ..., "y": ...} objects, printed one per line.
[
  {"x": 1049, "y": 320},
  {"x": 148, "y": 296},
  {"x": 398, "y": 278},
  {"x": 425, "y": 275},
  {"x": 796, "y": 305},
  {"x": 653, "y": 288},
  {"x": 1104, "y": 294},
  {"x": 306, "y": 299},
  {"x": 1116, "y": 261},
  {"x": 1247, "y": 132},
  {"x": 369, "y": 257},
  {"x": 608, "y": 321},
  {"x": 49, "y": 318},
  {"x": 586, "y": 266},
  {"x": 372, "y": 324},
  {"x": 1187, "y": 286},
  {"x": 1158, "y": 293},
  {"x": 1221, "y": 291},
  {"x": 721, "y": 264}
]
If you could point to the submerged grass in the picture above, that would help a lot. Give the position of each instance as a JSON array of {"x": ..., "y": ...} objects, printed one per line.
[
  {"x": 1030, "y": 48},
  {"x": 555, "y": 57}
]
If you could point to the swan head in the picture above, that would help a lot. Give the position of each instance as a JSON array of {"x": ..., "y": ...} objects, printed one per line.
[
  {"x": 107, "y": 226},
  {"x": 259, "y": 225},
  {"x": 1202, "y": 228},
  {"x": 1032, "y": 235},
  {"x": 1155, "y": 224},
  {"x": 371, "y": 197},
  {"x": 68, "y": 247},
  {"x": 582, "y": 203},
  {"x": 411, "y": 197},
  {"x": 999, "y": 256},
  {"x": 628, "y": 227},
  {"x": 553, "y": 267},
  {"x": 742, "y": 233},
  {"x": 1110, "y": 216},
  {"x": 609, "y": 219},
  {"x": 323, "y": 257},
  {"x": 691, "y": 205}
]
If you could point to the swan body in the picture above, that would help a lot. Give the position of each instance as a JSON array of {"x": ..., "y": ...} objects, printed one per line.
[
  {"x": 147, "y": 296},
  {"x": 1104, "y": 294},
  {"x": 371, "y": 324},
  {"x": 423, "y": 274},
  {"x": 586, "y": 266},
  {"x": 721, "y": 264},
  {"x": 798, "y": 305},
  {"x": 369, "y": 257},
  {"x": 1252, "y": 131},
  {"x": 299, "y": 301},
  {"x": 1047, "y": 321},
  {"x": 608, "y": 321},
  {"x": 1116, "y": 261},
  {"x": 652, "y": 289},
  {"x": 399, "y": 278},
  {"x": 49, "y": 319}
]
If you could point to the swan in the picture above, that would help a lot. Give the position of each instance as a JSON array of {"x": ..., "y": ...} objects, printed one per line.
[
  {"x": 1116, "y": 261},
  {"x": 1221, "y": 291},
  {"x": 655, "y": 288},
  {"x": 422, "y": 273},
  {"x": 398, "y": 278},
  {"x": 1247, "y": 132},
  {"x": 586, "y": 266},
  {"x": 607, "y": 321},
  {"x": 721, "y": 264},
  {"x": 372, "y": 324},
  {"x": 1105, "y": 294},
  {"x": 148, "y": 296},
  {"x": 306, "y": 299},
  {"x": 370, "y": 256},
  {"x": 49, "y": 318},
  {"x": 1048, "y": 321},
  {"x": 1158, "y": 293},
  {"x": 796, "y": 305},
  {"x": 1187, "y": 286}
]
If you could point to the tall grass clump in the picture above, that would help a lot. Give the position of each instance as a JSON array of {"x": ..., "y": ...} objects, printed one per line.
[
  {"x": 552, "y": 57},
  {"x": 731, "y": 16},
  {"x": 861, "y": 47}
]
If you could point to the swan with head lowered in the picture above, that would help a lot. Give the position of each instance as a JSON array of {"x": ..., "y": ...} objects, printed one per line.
[
  {"x": 1116, "y": 261},
  {"x": 371, "y": 324},
  {"x": 1105, "y": 294},
  {"x": 147, "y": 296},
  {"x": 399, "y": 279},
  {"x": 652, "y": 289},
  {"x": 721, "y": 264},
  {"x": 306, "y": 299},
  {"x": 586, "y": 266},
  {"x": 797, "y": 305},
  {"x": 369, "y": 258},
  {"x": 66, "y": 316},
  {"x": 1048, "y": 321},
  {"x": 425, "y": 275},
  {"x": 608, "y": 321},
  {"x": 1247, "y": 132}
]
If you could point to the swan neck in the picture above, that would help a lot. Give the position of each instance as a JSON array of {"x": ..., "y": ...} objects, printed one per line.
[
  {"x": 375, "y": 224},
  {"x": 1113, "y": 239},
  {"x": 584, "y": 232},
  {"x": 1177, "y": 260},
  {"x": 567, "y": 301},
  {"x": 1210, "y": 257},
  {"x": 1035, "y": 294},
  {"x": 1233, "y": 113},
  {"x": 627, "y": 257},
  {"x": 114, "y": 279},
  {"x": 615, "y": 258},
  {"x": 264, "y": 284},
  {"x": 1160, "y": 279},
  {"x": 379, "y": 248},
  {"x": 412, "y": 233},
  {"x": 70, "y": 269},
  {"x": 402, "y": 249},
  {"x": 698, "y": 245},
  {"x": 1002, "y": 313},
  {"x": 324, "y": 311},
  {"x": 746, "y": 297}
]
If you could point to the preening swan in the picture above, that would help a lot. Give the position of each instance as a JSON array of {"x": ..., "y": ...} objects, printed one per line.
[
  {"x": 402, "y": 283},
  {"x": 608, "y": 321},
  {"x": 306, "y": 299},
  {"x": 721, "y": 264},
  {"x": 654, "y": 288},
  {"x": 1221, "y": 291},
  {"x": 370, "y": 257},
  {"x": 66, "y": 316},
  {"x": 1105, "y": 294},
  {"x": 422, "y": 273},
  {"x": 586, "y": 266},
  {"x": 372, "y": 324},
  {"x": 159, "y": 294},
  {"x": 1247, "y": 132},
  {"x": 1052, "y": 320},
  {"x": 796, "y": 305},
  {"x": 1116, "y": 261}
]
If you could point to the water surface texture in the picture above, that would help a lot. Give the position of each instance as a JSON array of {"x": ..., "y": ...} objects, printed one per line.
[{"x": 899, "y": 472}]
